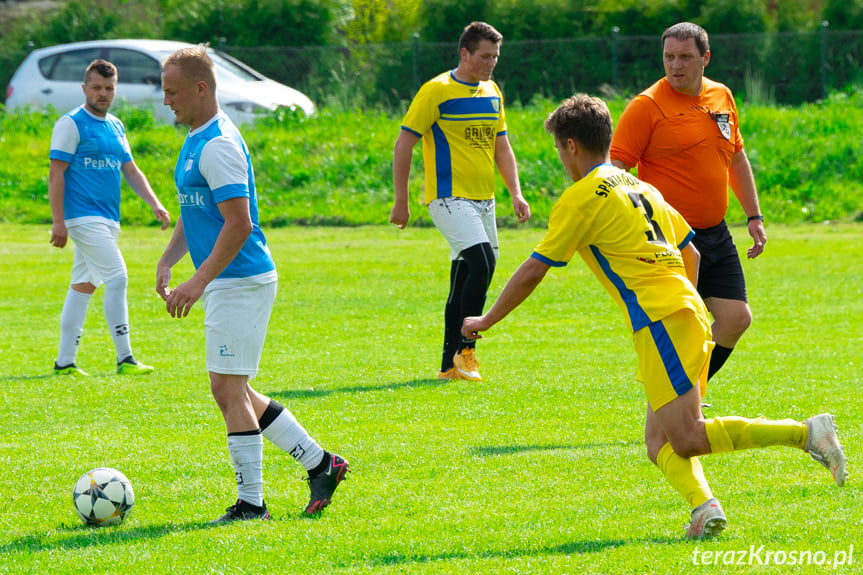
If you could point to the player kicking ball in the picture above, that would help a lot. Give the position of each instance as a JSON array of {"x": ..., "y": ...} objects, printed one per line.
[{"x": 640, "y": 250}]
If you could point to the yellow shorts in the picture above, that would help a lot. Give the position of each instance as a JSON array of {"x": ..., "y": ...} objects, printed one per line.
[{"x": 673, "y": 356}]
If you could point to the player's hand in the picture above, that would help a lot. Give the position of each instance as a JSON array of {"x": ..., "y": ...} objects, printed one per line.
[
  {"x": 759, "y": 237},
  {"x": 521, "y": 209},
  {"x": 59, "y": 235},
  {"x": 181, "y": 299},
  {"x": 162, "y": 215},
  {"x": 400, "y": 215},
  {"x": 471, "y": 327},
  {"x": 163, "y": 279}
]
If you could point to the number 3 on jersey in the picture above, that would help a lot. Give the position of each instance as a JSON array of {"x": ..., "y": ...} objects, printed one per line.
[{"x": 654, "y": 232}]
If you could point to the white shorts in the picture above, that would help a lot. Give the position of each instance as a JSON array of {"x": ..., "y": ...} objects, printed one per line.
[
  {"x": 235, "y": 326},
  {"x": 97, "y": 256},
  {"x": 465, "y": 223}
]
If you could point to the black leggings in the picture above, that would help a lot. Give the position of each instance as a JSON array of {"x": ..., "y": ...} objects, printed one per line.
[{"x": 469, "y": 280}]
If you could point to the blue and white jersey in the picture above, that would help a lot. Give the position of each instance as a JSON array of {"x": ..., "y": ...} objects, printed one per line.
[
  {"x": 95, "y": 149},
  {"x": 215, "y": 166}
]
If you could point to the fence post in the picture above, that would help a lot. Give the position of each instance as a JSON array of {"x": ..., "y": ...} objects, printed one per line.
[
  {"x": 416, "y": 61},
  {"x": 824, "y": 25},
  {"x": 614, "y": 33}
]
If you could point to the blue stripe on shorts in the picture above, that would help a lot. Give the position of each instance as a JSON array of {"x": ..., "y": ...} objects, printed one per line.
[{"x": 679, "y": 380}]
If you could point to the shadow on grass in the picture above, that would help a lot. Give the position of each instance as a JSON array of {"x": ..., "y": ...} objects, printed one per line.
[
  {"x": 26, "y": 377},
  {"x": 81, "y": 536},
  {"x": 570, "y": 548},
  {"x": 492, "y": 450},
  {"x": 312, "y": 393},
  {"x": 83, "y": 379}
]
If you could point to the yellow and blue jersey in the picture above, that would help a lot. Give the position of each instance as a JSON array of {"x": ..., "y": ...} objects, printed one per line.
[
  {"x": 459, "y": 124},
  {"x": 629, "y": 238}
]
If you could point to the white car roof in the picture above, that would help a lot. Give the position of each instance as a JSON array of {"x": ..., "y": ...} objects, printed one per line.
[{"x": 153, "y": 45}]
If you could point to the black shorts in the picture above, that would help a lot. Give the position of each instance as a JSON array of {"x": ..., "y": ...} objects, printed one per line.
[{"x": 720, "y": 273}]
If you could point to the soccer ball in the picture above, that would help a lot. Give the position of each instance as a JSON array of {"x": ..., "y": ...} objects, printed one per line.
[{"x": 103, "y": 496}]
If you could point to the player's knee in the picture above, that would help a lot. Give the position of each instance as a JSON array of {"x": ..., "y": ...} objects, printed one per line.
[
  {"x": 481, "y": 260},
  {"x": 734, "y": 325},
  {"x": 687, "y": 445},
  {"x": 744, "y": 319},
  {"x": 488, "y": 251},
  {"x": 221, "y": 393},
  {"x": 117, "y": 282},
  {"x": 652, "y": 451}
]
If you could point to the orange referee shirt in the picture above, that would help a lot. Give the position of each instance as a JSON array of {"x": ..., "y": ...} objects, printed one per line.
[{"x": 682, "y": 145}]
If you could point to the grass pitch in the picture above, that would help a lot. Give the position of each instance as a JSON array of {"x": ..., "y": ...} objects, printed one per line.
[{"x": 538, "y": 469}]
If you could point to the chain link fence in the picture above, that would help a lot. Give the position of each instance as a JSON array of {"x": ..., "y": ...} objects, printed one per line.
[{"x": 774, "y": 68}]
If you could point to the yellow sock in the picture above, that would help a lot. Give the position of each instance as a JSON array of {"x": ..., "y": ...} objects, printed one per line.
[
  {"x": 732, "y": 433},
  {"x": 686, "y": 476}
]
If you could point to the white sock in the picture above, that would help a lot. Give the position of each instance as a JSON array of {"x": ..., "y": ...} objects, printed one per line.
[
  {"x": 247, "y": 457},
  {"x": 72, "y": 325},
  {"x": 117, "y": 315},
  {"x": 287, "y": 434}
]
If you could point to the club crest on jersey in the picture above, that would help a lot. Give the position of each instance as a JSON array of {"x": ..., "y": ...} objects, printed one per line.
[
  {"x": 723, "y": 122},
  {"x": 495, "y": 104}
]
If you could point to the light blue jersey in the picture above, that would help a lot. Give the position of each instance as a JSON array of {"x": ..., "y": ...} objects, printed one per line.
[
  {"x": 214, "y": 166},
  {"x": 95, "y": 149}
]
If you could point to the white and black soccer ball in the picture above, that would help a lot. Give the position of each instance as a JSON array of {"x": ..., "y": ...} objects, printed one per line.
[{"x": 103, "y": 496}]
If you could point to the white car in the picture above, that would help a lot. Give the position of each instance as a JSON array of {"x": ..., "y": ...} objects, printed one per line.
[{"x": 53, "y": 76}]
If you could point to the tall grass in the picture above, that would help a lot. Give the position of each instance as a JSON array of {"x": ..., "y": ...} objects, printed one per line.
[
  {"x": 336, "y": 167},
  {"x": 757, "y": 91}
]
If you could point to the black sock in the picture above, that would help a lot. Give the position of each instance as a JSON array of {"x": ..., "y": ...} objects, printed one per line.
[
  {"x": 319, "y": 468},
  {"x": 254, "y": 508},
  {"x": 274, "y": 409},
  {"x": 717, "y": 359}
]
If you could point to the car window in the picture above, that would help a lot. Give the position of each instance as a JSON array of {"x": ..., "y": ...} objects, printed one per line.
[
  {"x": 228, "y": 69},
  {"x": 68, "y": 66},
  {"x": 134, "y": 67}
]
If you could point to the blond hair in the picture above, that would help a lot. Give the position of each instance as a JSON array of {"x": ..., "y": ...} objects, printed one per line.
[{"x": 194, "y": 64}]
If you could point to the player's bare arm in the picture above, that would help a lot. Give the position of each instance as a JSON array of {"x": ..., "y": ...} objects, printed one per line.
[
  {"x": 176, "y": 249},
  {"x": 621, "y": 165},
  {"x": 504, "y": 158},
  {"x": 141, "y": 186},
  {"x": 56, "y": 193},
  {"x": 518, "y": 288},
  {"x": 234, "y": 233},
  {"x": 691, "y": 260},
  {"x": 742, "y": 183},
  {"x": 402, "y": 157}
]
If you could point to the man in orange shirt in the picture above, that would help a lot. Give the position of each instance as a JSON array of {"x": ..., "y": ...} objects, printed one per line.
[{"x": 684, "y": 136}]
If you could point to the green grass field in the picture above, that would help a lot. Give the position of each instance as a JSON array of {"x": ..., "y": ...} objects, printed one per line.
[{"x": 538, "y": 469}]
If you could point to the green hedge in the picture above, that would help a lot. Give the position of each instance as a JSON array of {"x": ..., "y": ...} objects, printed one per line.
[
  {"x": 363, "y": 48},
  {"x": 335, "y": 168}
]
